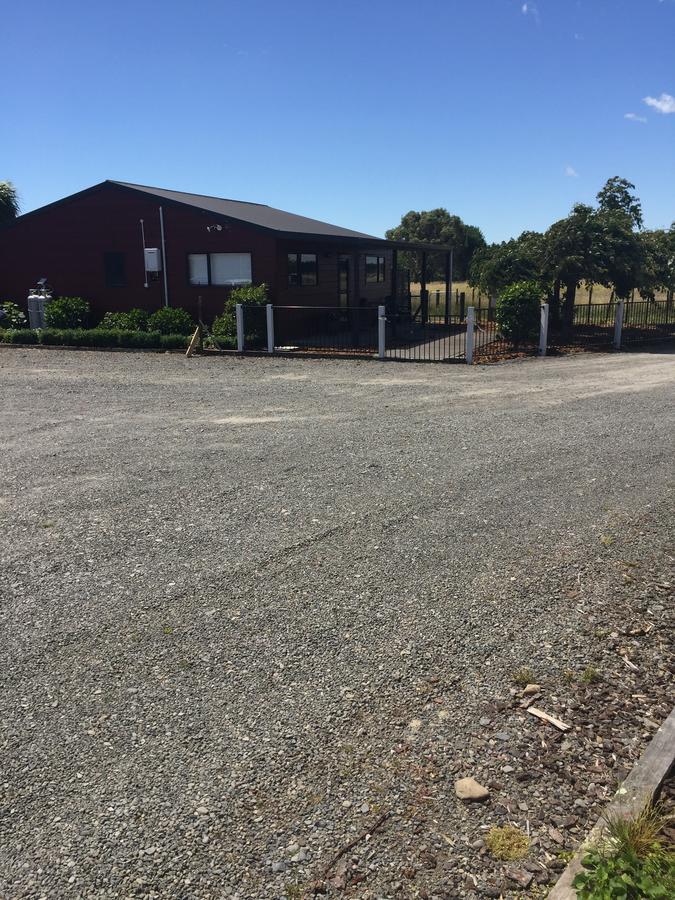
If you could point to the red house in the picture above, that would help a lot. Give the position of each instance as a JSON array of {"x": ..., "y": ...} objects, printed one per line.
[{"x": 126, "y": 245}]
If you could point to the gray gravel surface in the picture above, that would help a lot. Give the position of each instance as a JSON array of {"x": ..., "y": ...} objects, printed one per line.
[{"x": 250, "y": 606}]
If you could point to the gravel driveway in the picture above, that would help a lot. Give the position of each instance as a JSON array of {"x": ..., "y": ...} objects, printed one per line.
[{"x": 251, "y": 606}]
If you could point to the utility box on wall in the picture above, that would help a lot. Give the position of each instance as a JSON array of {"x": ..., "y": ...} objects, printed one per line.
[{"x": 153, "y": 259}]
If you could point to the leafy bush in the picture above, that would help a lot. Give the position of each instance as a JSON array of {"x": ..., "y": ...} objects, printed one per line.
[
  {"x": 20, "y": 336},
  {"x": 518, "y": 311},
  {"x": 66, "y": 312},
  {"x": 247, "y": 293},
  {"x": 13, "y": 317},
  {"x": 173, "y": 341},
  {"x": 635, "y": 860},
  {"x": 225, "y": 325},
  {"x": 171, "y": 320},
  {"x": 624, "y": 876},
  {"x": 132, "y": 320}
]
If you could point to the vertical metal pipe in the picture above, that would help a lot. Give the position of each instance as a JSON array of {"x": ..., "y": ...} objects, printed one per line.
[
  {"x": 145, "y": 270},
  {"x": 166, "y": 280}
]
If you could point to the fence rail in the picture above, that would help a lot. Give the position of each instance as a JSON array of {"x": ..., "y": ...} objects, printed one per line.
[
  {"x": 648, "y": 321},
  {"x": 417, "y": 334},
  {"x": 438, "y": 339},
  {"x": 323, "y": 329}
]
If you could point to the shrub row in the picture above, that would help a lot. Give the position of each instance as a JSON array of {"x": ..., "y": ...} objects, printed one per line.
[{"x": 95, "y": 337}]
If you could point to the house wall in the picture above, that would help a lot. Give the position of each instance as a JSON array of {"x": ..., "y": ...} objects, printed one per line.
[
  {"x": 325, "y": 293},
  {"x": 65, "y": 243}
]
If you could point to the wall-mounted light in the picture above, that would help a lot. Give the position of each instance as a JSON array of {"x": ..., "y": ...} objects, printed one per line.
[{"x": 214, "y": 227}]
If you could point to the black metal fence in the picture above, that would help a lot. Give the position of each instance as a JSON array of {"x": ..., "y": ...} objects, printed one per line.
[
  {"x": 324, "y": 329},
  {"x": 255, "y": 326},
  {"x": 438, "y": 339},
  {"x": 648, "y": 321},
  {"x": 489, "y": 343},
  {"x": 592, "y": 328},
  {"x": 420, "y": 334}
]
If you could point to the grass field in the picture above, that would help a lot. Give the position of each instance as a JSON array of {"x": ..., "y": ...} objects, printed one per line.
[{"x": 474, "y": 297}]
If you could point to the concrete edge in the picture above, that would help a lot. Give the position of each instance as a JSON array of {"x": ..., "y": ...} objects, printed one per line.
[
  {"x": 92, "y": 349},
  {"x": 639, "y": 789}
]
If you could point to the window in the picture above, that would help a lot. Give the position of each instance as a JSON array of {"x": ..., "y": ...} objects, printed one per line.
[
  {"x": 219, "y": 268},
  {"x": 114, "y": 266},
  {"x": 374, "y": 269},
  {"x": 198, "y": 265},
  {"x": 303, "y": 269}
]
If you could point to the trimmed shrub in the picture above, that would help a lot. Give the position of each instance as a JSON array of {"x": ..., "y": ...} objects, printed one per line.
[
  {"x": 66, "y": 312},
  {"x": 518, "y": 311},
  {"x": 55, "y": 336},
  {"x": 174, "y": 341},
  {"x": 171, "y": 320},
  {"x": 20, "y": 336},
  {"x": 139, "y": 339},
  {"x": 11, "y": 315},
  {"x": 95, "y": 337},
  {"x": 132, "y": 320}
]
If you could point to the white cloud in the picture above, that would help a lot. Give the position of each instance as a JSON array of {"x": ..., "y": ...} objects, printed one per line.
[
  {"x": 570, "y": 172},
  {"x": 664, "y": 104},
  {"x": 530, "y": 8},
  {"x": 634, "y": 117}
]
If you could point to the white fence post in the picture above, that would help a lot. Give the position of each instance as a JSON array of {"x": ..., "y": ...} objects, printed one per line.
[
  {"x": 381, "y": 331},
  {"x": 543, "y": 330},
  {"x": 239, "y": 315},
  {"x": 470, "y": 320},
  {"x": 270, "y": 328},
  {"x": 618, "y": 325}
]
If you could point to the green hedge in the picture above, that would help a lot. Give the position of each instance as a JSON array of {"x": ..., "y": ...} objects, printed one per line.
[
  {"x": 20, "y": 336},
  {"x": 96, "y": 337}
]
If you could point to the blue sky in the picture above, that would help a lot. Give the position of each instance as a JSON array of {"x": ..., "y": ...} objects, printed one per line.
[{"x": 505, "y": 112}]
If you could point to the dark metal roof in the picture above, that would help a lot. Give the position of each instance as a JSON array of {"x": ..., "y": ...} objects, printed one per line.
[
  {"x": 257, "y": 215},
  {"x": 253, "y": 213}
]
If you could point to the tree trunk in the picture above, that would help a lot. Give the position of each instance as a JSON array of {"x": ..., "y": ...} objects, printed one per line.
[
  {"x": 554, "y": 304},
  {"x": 568, "y": 308}
]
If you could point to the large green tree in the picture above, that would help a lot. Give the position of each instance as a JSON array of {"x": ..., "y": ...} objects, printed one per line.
[
  {"x": 618, "y": 196},
  {"x": 437, "y": 226},
  {"x": 496, "y": 267},
  {"x": 658, "y": 262},
  {"x": 9, "y": 202}
]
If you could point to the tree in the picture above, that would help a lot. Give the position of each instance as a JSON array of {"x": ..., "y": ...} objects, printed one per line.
[
  {"x": 658, "y": 262},
  {"x": 437, "y": 226},
  {"x": 617, "y": 196},
  {"x": 572, "y": 255},
  {"x": 9, "y": 202},
  {"x": 499, "y": 265}
]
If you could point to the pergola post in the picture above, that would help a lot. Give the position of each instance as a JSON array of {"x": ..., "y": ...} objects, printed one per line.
[{"x": 394, "y": 280}]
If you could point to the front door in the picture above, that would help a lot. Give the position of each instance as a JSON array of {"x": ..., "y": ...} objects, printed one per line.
[{"x": 343, "y": 281}]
